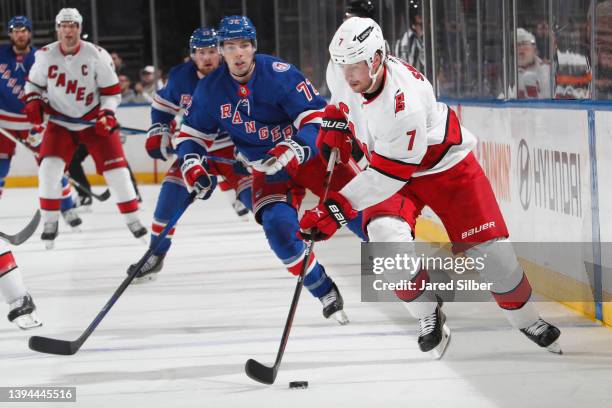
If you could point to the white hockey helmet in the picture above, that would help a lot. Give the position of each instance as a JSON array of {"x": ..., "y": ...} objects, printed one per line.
[
  {"x": 71, "y": 15},
  {"x": 357, "y": 39}
]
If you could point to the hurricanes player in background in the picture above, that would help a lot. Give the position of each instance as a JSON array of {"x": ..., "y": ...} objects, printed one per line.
[
  {"x": 83, "y": 93},
  {"x": 167, "y": 103},
  {"x": 417, "y": 148},
  {"x": 16, "y": 59}
]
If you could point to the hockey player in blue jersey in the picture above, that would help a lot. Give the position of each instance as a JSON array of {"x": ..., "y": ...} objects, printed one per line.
[
  {"x": 16, "y": 59},
  {"x": 167, "y": 103},
  {"x": 272, "y": 113}
]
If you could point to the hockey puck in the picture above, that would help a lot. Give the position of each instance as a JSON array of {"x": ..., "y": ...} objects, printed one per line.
[{"x": 298, "y": 384}]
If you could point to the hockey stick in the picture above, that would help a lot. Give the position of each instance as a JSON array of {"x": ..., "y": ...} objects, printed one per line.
[
  {"x": 23, "y": 235},
  {"x": 66, "y": 347},
  {"x": 253, "y": 368},
  {"x": 100, "y": 197},
  {"x": 136, "y": 131}
]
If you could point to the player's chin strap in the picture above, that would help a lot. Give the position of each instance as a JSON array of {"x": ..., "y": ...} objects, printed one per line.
[{"x": 374, "y": 77}]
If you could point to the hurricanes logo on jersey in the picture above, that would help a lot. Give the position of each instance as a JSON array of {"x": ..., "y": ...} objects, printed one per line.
[{"x": 400, "y": 104}]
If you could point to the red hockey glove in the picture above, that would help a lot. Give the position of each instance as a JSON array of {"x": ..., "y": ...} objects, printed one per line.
[
  {"x": 158, "y": 141},
  {"x": 335, "y": 132},
  {"x": 106, "y": 123},
  {"x": 34, "y": 108},
  {"x": 196, "y": 177},
  {"x": 287, "y": 155},
  {"x": 321, "y": 222}
]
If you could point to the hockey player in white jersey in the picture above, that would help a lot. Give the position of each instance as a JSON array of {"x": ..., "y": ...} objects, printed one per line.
[
  {"x": 83, "y": 92},
  {"x": 22, "y": 310},
  {"x": 417, "y": 149}
]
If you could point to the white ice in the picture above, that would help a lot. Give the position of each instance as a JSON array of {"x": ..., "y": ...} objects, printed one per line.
[{"x": 222, "y": 298}]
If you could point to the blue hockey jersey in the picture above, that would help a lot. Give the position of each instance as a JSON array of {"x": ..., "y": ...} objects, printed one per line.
[
  {"x": 14, "y": 70},
  {"x": 277, "y": 103},
  {"x": 176, "y": 96}
]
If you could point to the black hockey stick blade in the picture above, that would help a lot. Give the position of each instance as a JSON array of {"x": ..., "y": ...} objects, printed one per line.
[
  {"x": 102, "y": 197},
  {"x": 53, "y": 346},
  {"x": 23, "y": 235},
  {"x": 259, "y": 372}
]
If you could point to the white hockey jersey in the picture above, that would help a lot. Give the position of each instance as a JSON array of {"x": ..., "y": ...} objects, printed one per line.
[
  {"x": 404, "y": 130},
  {"x": 76, "y": 85}
]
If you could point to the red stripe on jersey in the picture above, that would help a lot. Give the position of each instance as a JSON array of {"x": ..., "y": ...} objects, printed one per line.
[
  {"x": 516, "y": 298},
  {"x": 158, "y": 100},
  {"x": 184, "y": 135},
  {"x": 408, "y": 295},
  {"x": 13, "y": 118},
  {"x": 50, "y": 204},
  {"x": 297, "y": 268},
  {"x": 393, "y": 168},
  {"x": 128, "y": 206},
  {"x": 110, "y": 90},
  {"x": 452, "y": 137},
  {"x": 312, "y": 116},
  {"x": 7, "y": 263}
]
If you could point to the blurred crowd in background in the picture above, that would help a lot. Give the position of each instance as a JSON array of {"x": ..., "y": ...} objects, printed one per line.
[{"x": 502, "y": 49}]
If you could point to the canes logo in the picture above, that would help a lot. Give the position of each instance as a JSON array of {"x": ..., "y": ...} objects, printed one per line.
[
  {"x": 400, "y": 105},
  {"x": 280, "y": 66}
]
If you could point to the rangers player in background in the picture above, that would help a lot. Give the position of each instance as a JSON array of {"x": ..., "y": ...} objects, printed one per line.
[
  {"x": 417, "y": 148},
  {"x": 22, "y": 310},
  {"x": 167, "y": 104},
  {"x": 272, "y": 113},
  {"x": 16, "y": 59},
  {"x": 83, "y": 93}
]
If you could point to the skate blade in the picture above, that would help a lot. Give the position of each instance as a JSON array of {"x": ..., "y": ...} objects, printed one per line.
[
  {"x": 49, "y": 244},
  {"x": 437, "y": 352},
  {"x": 76, "y": 229},
  {"x": 28, "y": 321},
  {"x": 341, "y": 317},
  {"x": 143, "y": 240},
  {"x": 84, "y": 209},
  {"x": 554, "y": 347}
]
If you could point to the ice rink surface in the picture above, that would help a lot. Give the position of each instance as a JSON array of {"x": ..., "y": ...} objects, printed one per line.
[{"x": 222, "y": 298}]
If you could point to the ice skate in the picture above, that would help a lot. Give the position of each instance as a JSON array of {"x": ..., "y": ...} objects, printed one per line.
[
  {"x": 544, "y": 335},
  {"x": 241, "y": 210},
  {"x": 333, "y": 305},
  {"x": 49, "y": 234},
  {"x": 149, "y": 270},
  {"x": 434, "y": 334},
  {"x": 72, "y": 219},
  {"x": 23, "y": 313},
  {"x": 84, "y": 204},
  {"x": 138, "y": 230}
]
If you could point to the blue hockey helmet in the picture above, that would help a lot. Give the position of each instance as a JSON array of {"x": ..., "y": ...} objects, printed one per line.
[
  {"x": 19, "y": 21},
  {"x": 237, "y": 27},
  {"x": 202, "y": 37}
]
